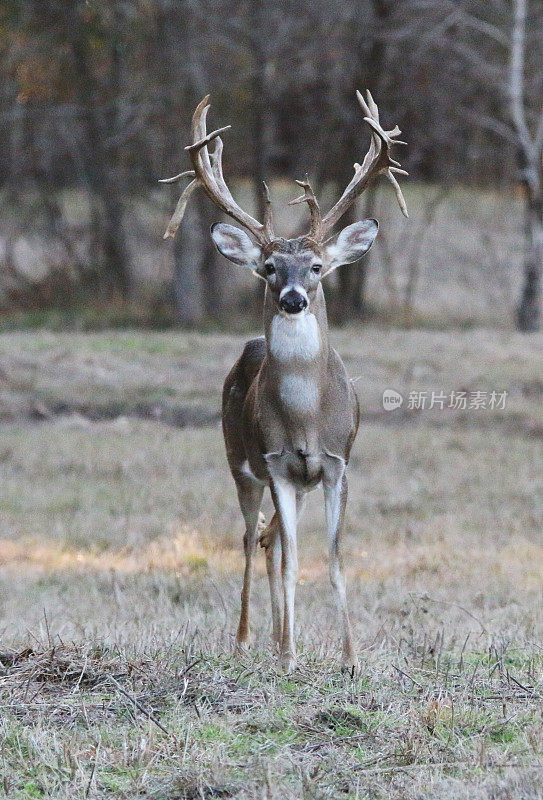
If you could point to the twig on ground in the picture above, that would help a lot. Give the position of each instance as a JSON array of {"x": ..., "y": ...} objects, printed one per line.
[
  {"x": 452, "y": 605},
  {"x": 89, "y": 784},
  {"x": 143, "y": 710},
  {"x": 524, "y": 688},
  {"x": 406, "y": 675}
]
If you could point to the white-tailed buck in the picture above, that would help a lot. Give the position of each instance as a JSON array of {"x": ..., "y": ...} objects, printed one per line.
[{"x": 289, "y": 412}]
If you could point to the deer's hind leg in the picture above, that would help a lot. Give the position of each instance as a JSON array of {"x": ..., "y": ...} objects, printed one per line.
[
  {"x": 335, "y": 498},
  {"x": 250, "y": 499},
  {"x": 271, "y": 542}
]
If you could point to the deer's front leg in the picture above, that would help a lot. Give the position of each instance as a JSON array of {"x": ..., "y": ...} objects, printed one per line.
[
  {"x": 335, "y": 500},
  {"x": 284, "y": 498},
  {"x": 271, "y": 541}
]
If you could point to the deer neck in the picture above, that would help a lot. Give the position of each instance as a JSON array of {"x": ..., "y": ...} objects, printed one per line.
[
  {"x": 294, "y": 373},
  {"x": 297, "y": 344}
]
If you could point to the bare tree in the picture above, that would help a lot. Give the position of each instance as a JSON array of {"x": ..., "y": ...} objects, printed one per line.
[
  {"x": 101, "y": 149},
  {"x": 500, "y": 50},
  {"x": 531, "y": 155},
  {"x": 183, "y": 81},
  {"x": 97, "y": 96},
  {"x": 402, "y": 259}
]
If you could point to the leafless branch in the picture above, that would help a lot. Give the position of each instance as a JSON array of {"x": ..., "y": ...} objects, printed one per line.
[{"x": 516, "y": 78}]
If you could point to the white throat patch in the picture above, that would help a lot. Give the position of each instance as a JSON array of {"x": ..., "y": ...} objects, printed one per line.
[{"x": 294, "y": 338}]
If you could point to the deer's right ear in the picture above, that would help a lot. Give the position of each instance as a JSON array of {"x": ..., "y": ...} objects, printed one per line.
[{"x": 235, "y": 245}]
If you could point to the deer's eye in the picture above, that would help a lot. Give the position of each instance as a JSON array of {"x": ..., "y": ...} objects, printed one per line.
[
  {"x": 270, "y": 269},
  {"x": 316, "y": 268}
]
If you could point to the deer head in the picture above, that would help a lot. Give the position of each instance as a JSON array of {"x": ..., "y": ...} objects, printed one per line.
[{"x": 292, "y": 268}]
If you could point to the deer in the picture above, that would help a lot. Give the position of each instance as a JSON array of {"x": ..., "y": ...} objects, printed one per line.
[{"x": 290, "y": 413}]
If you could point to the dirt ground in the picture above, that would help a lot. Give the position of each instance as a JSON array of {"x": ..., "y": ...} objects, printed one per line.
[{"x": 121, "y": 564}]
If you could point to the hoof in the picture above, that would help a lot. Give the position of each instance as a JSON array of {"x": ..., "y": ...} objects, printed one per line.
[
  {"x": 287, "y": 663},
  {"x": 266, "y": 538},
  {"x": 242, "y": 647},
  {"x": 350, "y": 666}
]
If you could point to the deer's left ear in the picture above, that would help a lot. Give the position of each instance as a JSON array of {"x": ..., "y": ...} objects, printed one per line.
[
  {"x": 235, "y": 245},
  {"x": 351, "y": 244}
]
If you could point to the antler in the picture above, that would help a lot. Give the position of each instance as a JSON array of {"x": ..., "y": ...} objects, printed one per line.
[
  {"x": 309, "y": 197},
  {"x": 377, "y": 161},
  {"x": 207, "y": 173}
]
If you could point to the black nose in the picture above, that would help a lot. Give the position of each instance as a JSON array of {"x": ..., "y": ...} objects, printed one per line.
[{"x": 292, "y": 302}]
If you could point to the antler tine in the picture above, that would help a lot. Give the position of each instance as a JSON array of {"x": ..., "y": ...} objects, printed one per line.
[
  {"x": 216, "y": 161},
  {"x": 198, "y": 121},
  {"x": 176, "y": 178},
  {"x": 268, "y": 217},
  {"x": 179, "y": 212},
  {"x": 200, "y": 139},
  {"x": 202, "y": 144},
  {"x": 196, "y": 129},
  {"x": 216, "y": 169},
  {"x": 376, "y": 161},
  {"x": 385, "y": 136},
  {"x": 365, "y": 105},
  {"x": 309, "y": 197},
  {"x": 397, "y": 190},
  {"x": 207, "y": 174},
  {"x": 374, "y": 111}
]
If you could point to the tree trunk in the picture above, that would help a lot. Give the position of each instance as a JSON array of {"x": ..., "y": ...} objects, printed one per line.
[
  {"x": 346, "y": 275},
  {"x": 116, "y": 258},
  {"x": 197, "y": 285},
  {"x": 116, "y": 254},
  {"x": 208, "y": 256},
  {"x": 352, "y": 278},
  {"x": 187, "y": 280},
  {"x": 101, "y": 163},
  {"x": 260, "y": 103},
  {"x": 197, "y": 281},
  {"x": 529, "y": 308}
]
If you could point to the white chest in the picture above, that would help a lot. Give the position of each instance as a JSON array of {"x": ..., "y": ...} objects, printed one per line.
[
  {"x": 294, "y": 339},
  {"x": 299, "y": 393}
]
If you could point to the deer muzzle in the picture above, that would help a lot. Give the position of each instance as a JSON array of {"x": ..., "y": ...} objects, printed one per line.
[{"x": 293, "y": 302}]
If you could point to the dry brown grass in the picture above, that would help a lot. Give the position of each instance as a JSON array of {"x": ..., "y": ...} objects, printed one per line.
[{"x": 120, "y": 566}]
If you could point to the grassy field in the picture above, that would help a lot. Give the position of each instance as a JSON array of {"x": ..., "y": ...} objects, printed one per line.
[{"x": 121, "y": 563}]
